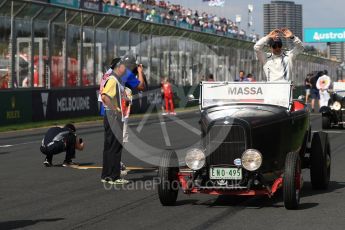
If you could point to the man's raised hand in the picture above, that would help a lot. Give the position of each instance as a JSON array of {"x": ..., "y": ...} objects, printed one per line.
[
  {"x": 274, "y": 33},
  {"x": 287, "y": 33}
]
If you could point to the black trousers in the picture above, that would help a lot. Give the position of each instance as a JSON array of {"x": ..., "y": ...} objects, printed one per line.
[
  {"x": 59, "y": 147},
  {"x": 112, "y": 149}
]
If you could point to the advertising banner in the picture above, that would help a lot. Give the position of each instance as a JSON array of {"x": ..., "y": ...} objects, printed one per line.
[
  {"x": 15, "y": 107},
  {"x": 134, "y": 14},
  {"x": 67, "y": 3},
  {"x": 62, "y": 104},
  {"x": 92, "y": 5},
  {"x": 113, "y": 10},
  {"x": 324, "y": 35}
]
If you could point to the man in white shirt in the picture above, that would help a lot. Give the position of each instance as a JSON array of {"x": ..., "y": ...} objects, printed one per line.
[
  {"x": 278, "y": 63},
  {"x": 323, "y": 84}
]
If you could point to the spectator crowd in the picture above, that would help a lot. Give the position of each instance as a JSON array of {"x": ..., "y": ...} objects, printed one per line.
[{"x": 168, "y": 11}]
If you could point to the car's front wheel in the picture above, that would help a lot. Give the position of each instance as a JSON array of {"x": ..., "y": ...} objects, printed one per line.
[
  {"x": 326, "y": 122},
  {"x": 168, "y": 185},
  {"x": 292, "y": 181}
]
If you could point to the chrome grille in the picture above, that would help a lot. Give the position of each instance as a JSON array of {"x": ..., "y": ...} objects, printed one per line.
[{"x": 225, "y": 144}]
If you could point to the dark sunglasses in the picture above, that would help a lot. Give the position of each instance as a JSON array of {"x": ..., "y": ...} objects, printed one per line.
[{"x": 277, "y": 45}]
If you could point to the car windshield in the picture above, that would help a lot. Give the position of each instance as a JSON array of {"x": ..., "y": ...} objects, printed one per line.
[
  {"x": 221, "y": 93},
  {"x": 341, "y": 92},
  {"x": 339, "y": 88}
]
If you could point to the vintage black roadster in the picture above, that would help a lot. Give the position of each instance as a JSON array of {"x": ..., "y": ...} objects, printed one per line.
[
  {"x": 333, "y": 114},
  {"x": 255, "y": 140}
]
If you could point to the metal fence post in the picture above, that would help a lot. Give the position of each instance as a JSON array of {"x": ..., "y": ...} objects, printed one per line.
[
  {"x": 50, "y": 49},
  {"x": 67, "y": 22},
  {"x": 95, "y": 73},
  {"x": 11, "y": 48},
  {"x": 81, "y": 52},
  {"x": 33, "y": 45}
]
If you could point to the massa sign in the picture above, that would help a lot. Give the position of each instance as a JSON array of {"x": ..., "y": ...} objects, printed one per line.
[{"x": 220, "y": 93}]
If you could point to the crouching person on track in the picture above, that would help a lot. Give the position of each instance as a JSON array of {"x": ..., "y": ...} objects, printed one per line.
[{"x": 58, "y": 140}]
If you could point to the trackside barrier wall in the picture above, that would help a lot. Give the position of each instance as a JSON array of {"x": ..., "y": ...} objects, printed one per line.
[
  {"x": 15, "y": 107},
  {"x": 38, "y": 105}
]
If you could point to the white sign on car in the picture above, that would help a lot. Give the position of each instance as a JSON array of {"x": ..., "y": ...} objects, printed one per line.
[
  {"x": 220, "y": 93},
  {"x": 338, "y": 86}
]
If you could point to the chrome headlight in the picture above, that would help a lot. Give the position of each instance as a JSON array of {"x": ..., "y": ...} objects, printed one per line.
[
  {"x": 195, "y": 159},
  {"x": 336, "y": 105},
  {"x": 251, "y": 159}
]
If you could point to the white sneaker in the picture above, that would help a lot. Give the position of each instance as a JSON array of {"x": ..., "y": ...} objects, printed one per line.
[
  {"x": 122, "y": 166},
  {"x": 119, "y": 181},
  {"x": 123, "y": 173},
  {"x": 164, "y": 114}
]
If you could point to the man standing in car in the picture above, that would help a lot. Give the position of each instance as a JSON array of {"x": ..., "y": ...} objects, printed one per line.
[{"x": 278, "y": 63}]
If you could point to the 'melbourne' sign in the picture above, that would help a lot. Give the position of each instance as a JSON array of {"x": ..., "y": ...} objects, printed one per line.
[{"x": 324, "y": 35}]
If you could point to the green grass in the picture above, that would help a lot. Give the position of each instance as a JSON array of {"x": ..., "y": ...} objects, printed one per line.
[{"x": 40, "y": 124}]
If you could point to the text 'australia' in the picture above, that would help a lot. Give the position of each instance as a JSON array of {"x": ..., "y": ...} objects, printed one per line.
[{"x": 245, "y": 91}]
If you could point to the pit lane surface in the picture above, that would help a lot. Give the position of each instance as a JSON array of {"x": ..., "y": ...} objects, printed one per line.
[{"x": 35, "y": 197}]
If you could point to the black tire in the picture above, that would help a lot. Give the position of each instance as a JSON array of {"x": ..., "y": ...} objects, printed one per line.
[
  {"x": 168, "y": 185},
  {"x": 326, "y": 122},
  {"x": 320, "y": 161},
  {"x": 292, "y": 181}
]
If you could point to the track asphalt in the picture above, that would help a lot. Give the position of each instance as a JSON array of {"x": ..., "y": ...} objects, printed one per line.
[{"x": 35, "y": 197}]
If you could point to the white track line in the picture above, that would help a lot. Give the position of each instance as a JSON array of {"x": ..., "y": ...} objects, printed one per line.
[
  {"x": 164, "y": 130},
  {"x": 25, "y": 143},
  {"x": 145, "y": 118}
]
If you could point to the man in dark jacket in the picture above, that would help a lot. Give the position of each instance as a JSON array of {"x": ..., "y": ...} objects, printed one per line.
[
  {"x": 314, "y": 91},
  {"x": 57, "y": 140}
]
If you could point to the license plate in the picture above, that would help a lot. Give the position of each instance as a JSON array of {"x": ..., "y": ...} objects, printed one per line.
[{"x": 226, "y": 173}]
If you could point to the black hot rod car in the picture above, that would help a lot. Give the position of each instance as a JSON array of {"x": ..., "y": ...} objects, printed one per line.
[
  {"x": 333, "y": 114},
  {"x": 255, "y": 139}
]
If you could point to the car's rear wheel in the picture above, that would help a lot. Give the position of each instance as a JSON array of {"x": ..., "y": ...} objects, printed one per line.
[
  {"x": 168, "y": 175},
  {"x": 326, "y": 122},
  {"x": 320, "y": 161},
  {"x": 292, "y": 181}
]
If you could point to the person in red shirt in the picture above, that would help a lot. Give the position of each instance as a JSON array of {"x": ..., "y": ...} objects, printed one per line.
[
  {"x": 126, "y": 103},
  {"x": 36, "y": 76},
  {"x": 4, "y": 81},
  {"x": 162, "y": 96},
  {"x": 168, "y": 97}
]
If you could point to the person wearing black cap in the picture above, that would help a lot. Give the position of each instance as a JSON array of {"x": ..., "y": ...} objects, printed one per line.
[
  {"x": 134, "y": 76},
  {"x": 278, "y": 63},
  {"x": 111, "y": 91},
  {"x": 60, "y": 139}
]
